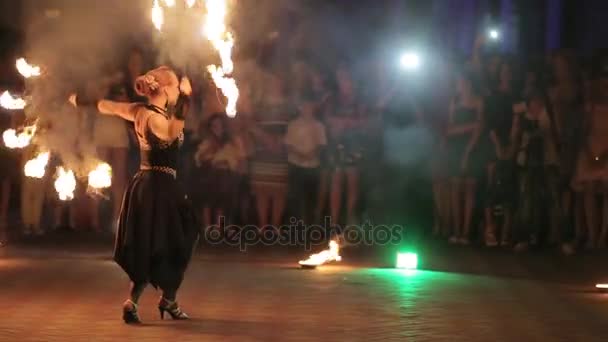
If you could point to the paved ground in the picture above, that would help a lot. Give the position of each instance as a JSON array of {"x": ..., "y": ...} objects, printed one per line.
[{"x": 76, "y": 296}]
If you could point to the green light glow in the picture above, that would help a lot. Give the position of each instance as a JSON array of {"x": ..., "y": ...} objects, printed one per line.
[{"x": 407, "y": 260}]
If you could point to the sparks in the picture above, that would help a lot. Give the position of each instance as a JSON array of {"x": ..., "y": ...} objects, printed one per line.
[
  {"x": 36, "y": 168},
  {"x": 331, "y": 254},
  {"x": 101, "y": 177},
  {"x": 26, "y": 70},
  {"x": 169, "y": 3},
  {"x": 65, "y": 184},
  {"x": 158, "y": 16},
  {"x": 14, "y": 139},
  {"x": 190, "y": 3},
  {"x": 222, "y": 40},
  {"x": 7, "y": 101}
]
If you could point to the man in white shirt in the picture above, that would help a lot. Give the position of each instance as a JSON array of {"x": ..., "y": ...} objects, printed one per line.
[{"x": 305, "y": 139}]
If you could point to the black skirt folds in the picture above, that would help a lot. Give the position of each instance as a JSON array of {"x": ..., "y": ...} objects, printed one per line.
[{"x": 157, "y": 231}]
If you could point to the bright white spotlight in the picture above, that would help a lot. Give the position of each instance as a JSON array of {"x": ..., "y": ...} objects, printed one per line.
[
  {"x": 410, "y": 60},
  {"x": 494, "y": 34}
]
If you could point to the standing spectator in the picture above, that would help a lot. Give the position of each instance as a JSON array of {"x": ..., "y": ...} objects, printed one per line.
[
  {"x": 269, "y": 171},
  {"x": 536, "y": 161},
  {"x": 9, "y": 173},
  {"x": 111, "y": 137},
  {"x": 500, "y": 113},
  {"x": 304, "y": 139},
  {"x": 219, "y": 157},
  {"x": 346, "y": 127},
  {"x": 465, "y": 118},
  {"x": 565, "y": 110},
  {"x": 33, "y": 193},
  {"x": 592, "y": 165}
]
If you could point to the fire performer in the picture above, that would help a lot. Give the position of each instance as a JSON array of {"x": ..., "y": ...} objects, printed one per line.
[{"x": 157, "y": 229}]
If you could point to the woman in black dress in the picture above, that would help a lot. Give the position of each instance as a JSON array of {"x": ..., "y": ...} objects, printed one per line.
[{"x": 157, "y": 229}]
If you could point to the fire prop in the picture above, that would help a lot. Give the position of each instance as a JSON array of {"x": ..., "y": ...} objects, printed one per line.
[
  {"x": 602, "y": 287},
  {"x": 222, "y": 41},
  {"x": 328, "y": 255},
  {"x": 101, "y": 177},
  {"x": 36, "y": 168},
  {"x": 158, "y": 16},
  {"x": 9, "y": 102},
  {"x": 26, "y": 70},
  {"x": 65, "y": 184},
  {"x": 14, "y": 139}
]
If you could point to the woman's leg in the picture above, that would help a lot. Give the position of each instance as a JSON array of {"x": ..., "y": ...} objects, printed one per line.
[
  {"x": 5, "y": 193},
  {"x": 336, "y": 195},
  {"x": 456, "y": 208},
  {"x": 136, "y": 291},
  {"x": 262, "y": 202},
  {"x": 352, "y": 194},
  {"x": 490, "y": 224},
  {"x": 322, "y": 195},
  {"x": 437, "y": 207},
  {"x": 604, "y": 233},
  {"x": 469, "y": 205},
  {"x": 590, "y": 215},
  {"x": 279, "y": 198}
]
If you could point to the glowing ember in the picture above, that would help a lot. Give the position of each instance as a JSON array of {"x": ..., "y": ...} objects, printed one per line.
[
  {"x": 101, "y": 177},
  {"x": 7, "y": 101},
  {"x": 158, "y": 16},
  {"x": 169, "y": 3},
  {"x": 65, "y": 184},
  {"x": 36, "y": 168},
  {"x": 331, "y": 254},
  {"x": 27, "y": 70},
  {"x": 222, "y": 41},
  {"x": 12, "y": 139},
  {"x": 190, "y": 3}
]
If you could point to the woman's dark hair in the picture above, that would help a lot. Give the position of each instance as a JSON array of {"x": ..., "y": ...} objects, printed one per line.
[{"x": 221, "y": 116}]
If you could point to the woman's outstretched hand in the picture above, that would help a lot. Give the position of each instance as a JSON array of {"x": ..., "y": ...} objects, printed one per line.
[
  {"x": 185, "y": 87},
  {"x": 72, "y": 100}
]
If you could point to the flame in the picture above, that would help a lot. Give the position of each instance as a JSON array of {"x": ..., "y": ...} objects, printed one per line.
[
  {"x": 12, "y": 139},
  {"x": 101, "y": 177},
  {"x": 158, "y": 16},
  {"x": 65, "y": 184},
  {"x": 7, "y": 101},
  {"x": 190, "y": 3},
  {"x": 331, "y": 254},
  {"x": 36, "y": 168},
  {"x": 27, "y": 70},
  {"x": 222, "y": 41},
  {"x": 169, "y": 3}
]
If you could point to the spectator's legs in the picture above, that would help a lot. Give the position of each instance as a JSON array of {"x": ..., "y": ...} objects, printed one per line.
[
  {"x": 469, "y": 205},
  {"x": 119, "y": 180},
  {"x": 279, "y": 199},
  {"x": 590, "y": 215},
  {"x": 456, "y": 209},
  {"x": 604, "y": 233},
  {"x": 352, "y": 189},
  {"x": 5, "y": 192},
  {"x": 262, "y": 202},
  {"x": 322, "y": 195},
  {"x": 336, "y": 195}
]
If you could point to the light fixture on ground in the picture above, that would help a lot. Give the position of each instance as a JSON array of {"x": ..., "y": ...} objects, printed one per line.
[{"x": 407, "y": 260}]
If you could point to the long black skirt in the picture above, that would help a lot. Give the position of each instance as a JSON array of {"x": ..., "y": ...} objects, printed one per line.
[{"x": 157, "y": 231}]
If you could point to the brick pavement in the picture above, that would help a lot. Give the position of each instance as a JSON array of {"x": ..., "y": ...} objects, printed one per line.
[{"x": 79, "y": 299}]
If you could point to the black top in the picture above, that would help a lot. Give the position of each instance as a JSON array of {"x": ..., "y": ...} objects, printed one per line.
[{"x": 155, "y": 152}]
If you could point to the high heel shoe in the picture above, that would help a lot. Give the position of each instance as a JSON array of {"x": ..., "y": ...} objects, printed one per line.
[
  {"x": 172, "y": 308},
  {"x": 129, "y": 313}
]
